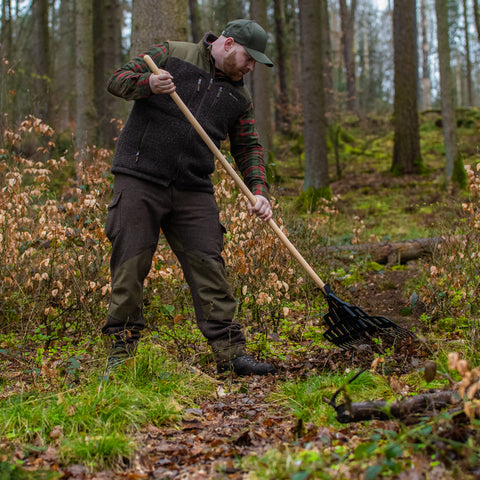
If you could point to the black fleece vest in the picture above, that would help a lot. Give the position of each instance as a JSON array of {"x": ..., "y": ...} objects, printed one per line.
[{"x": 158, "y": 143}]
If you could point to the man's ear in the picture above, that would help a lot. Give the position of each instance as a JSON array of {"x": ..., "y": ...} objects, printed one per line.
[{"x": 229, "y": 44}]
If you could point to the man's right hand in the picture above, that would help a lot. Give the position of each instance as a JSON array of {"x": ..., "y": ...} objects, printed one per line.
[{"x": 162, "y": 83}]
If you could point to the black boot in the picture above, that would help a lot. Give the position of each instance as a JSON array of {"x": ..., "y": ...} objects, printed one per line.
[{"x": 245, "y": 365}]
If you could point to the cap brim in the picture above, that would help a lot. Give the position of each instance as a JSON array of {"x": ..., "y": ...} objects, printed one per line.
[{"x": 259, "y": 57}]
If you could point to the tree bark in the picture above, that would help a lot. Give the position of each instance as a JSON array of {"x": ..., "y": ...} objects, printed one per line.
[
  {"x": 195, "y": 21},
  {"x": 316, "y": 160},
  {"x": 282, "y": 105},
  {"x": 347, "y": 18},
  {"x": 86, "y": 124},
  {"x": 406, "y": 151},
  {"x": 476, "y": 15},
  {"x": 64, "y": 110},
  {"x": 41, "y": 58},
  {"x": 261, "y": 86},
  {"x": 148, "y": 28},
  {"x": 6, "y": 35},
  {"x": 467, "y": 56},
  {"x": 454, "y": 165},
  {"x": 426, "y": 83},
  {"x": 327, "y": 59},
  {"x": 108, "y": 55}
]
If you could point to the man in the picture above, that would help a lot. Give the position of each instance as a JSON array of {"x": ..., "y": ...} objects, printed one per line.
[{"x": 162, "y": 172}]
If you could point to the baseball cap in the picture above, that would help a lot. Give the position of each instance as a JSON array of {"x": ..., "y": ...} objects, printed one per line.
[{"x": 251, "y": 36}]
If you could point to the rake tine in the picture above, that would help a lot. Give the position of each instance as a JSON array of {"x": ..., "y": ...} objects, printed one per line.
[{"x": 349, "y": 325}]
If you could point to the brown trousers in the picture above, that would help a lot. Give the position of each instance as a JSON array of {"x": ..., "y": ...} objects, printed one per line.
[{"x": 190, "y": 223}]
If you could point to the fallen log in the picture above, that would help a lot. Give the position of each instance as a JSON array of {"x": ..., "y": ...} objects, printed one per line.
[
  {"x": 408, "y": 410},
  {"x": 390, "y": 253}
]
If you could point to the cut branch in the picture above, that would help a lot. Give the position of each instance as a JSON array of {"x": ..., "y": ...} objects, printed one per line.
[{"x": 408, "y": 410}]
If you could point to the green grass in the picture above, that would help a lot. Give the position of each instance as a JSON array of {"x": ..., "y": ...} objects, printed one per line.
[
  {"x": 94, "y": 422},
  {"x": 307, "y": 398}
]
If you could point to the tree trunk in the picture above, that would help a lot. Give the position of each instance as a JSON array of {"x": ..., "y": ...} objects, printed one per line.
[
  {"x": 282, "y": 105},
  {"x": 406, "y": 150},
  {"x": 347, "y": 17},
  {"x": 41, "y": 58},
  {"x": 454, "y": 171},
  {"x": 327, "y": 59},
  {"x": 261, "y": 86},
  {"x": 149, "y": 29},
  {"x": 476, "y": 15},
  {"x": 316, "y": 182},
  {"x": 468, "y": 62},
  {"x": 108, "y": 54},
  {"x": 6, "y": 45},
  {"x": 426, "y": 84},
  {"x": 86, "y": 113},
  {"x": 195, "y": 21},
  {"x": 63, "y": 112},
  {"x": 6, "y": 37}
]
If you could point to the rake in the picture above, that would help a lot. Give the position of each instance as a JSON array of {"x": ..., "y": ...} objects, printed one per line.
[{"x": 348, "y": 325}]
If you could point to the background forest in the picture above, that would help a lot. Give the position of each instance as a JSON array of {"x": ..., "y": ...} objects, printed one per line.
[{"x": 371, "y": 130}]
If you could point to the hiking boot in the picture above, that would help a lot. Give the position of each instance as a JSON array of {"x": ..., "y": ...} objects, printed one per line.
[
  {"x": 245, "y": 365},
  {"x": 118, "y": 355}
]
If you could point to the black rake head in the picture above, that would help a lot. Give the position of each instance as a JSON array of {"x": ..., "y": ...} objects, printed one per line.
[{"x": 350, "y": 325}]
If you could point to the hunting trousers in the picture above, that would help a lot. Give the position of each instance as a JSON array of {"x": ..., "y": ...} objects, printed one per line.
[{"x": 190, "y": 222}]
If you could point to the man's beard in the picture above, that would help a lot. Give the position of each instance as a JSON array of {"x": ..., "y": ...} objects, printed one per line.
[{"x": 230, "y": 67}]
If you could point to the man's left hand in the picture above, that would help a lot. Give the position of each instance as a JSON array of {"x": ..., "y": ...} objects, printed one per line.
[{"x": 262, "y": 208}]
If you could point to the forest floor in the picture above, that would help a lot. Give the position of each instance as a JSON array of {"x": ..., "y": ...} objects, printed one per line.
[{"x": 243, "y": 421}]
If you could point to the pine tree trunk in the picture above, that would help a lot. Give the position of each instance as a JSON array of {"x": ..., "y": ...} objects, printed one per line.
[
  {"x": 63, "y": 113},
  {"x": 108, "y": 55},
  {"x": 468, "y": 62},
  {"x": 454, "y": 170},
  {"x": 446, "y": 88},
  {"x": 41, "y": 58},
  {"x": 327, "y": 58},
  {"x": 316, "y": 160},
  {"x": 86, "y": 123},
  {"x": 6, "y": 46},
  {"x": 406, "y": 150},
  {"x": 282, "y": 105},
  {"x": 261, "y": 85},
  {"x": 155, "y": 21},
  {"x": 347, "y": 17},
  {"x": 6, "y": 39},
  {"x": 426, "y": 83},
  {"x": 476, "y": 15},
  {"x": 195, "y": 20}
]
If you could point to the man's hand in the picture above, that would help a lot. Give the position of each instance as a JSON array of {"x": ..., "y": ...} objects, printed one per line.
[
  {"x": 261, "y": 208},
  {"x": 162, "y": 83}
]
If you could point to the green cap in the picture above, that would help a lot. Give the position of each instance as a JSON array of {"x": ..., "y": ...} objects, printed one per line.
[{"x": 251, "y": 36}]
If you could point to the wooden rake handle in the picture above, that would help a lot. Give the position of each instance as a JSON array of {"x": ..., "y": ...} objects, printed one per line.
[{"x": 240, "y": 183}]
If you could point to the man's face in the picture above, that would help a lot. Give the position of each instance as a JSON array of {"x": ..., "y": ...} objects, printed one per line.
[{"x": 238, "y": 63}]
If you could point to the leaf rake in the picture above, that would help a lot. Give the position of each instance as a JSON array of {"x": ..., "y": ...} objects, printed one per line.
[{"x": 349, "y": 325}]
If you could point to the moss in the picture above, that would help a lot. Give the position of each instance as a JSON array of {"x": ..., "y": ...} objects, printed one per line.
[{"x": 310, "y": 199}]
